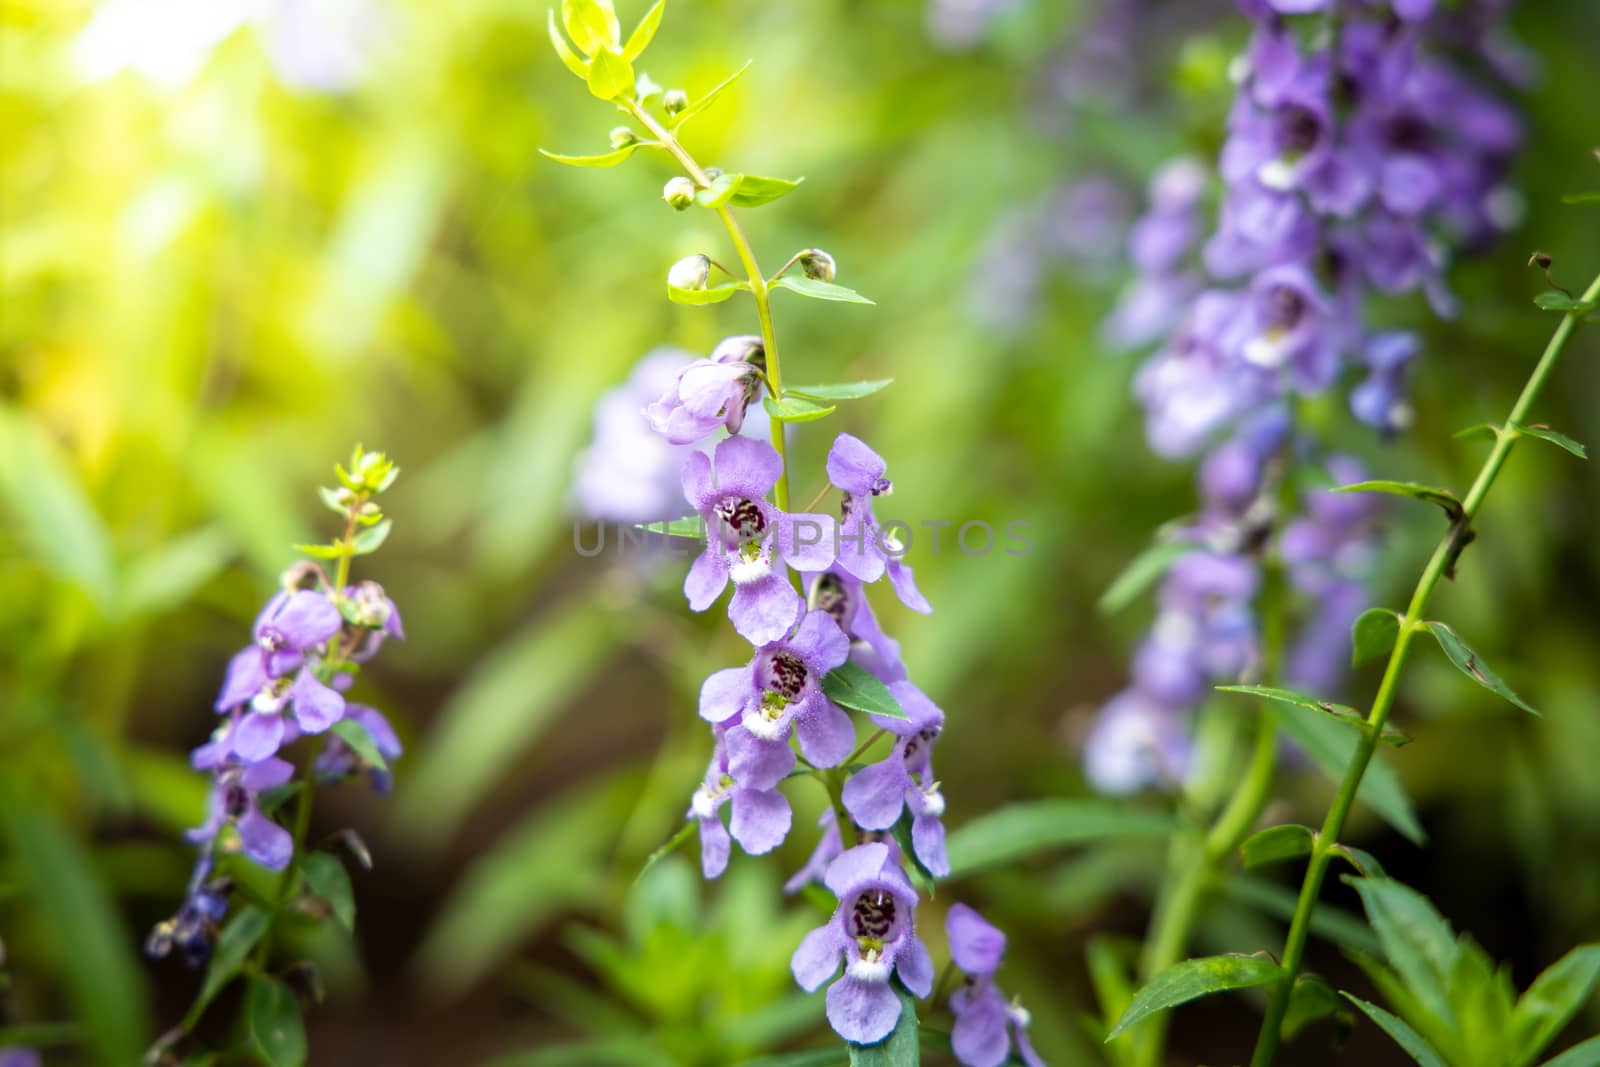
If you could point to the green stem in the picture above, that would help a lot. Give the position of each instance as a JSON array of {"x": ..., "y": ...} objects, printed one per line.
[
  {"x": 1410, "y": 623},
  {"x": 759, "y": 287}
]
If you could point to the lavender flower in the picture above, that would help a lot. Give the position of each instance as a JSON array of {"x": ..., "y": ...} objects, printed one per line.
[
  {"x": 781, "y": 690},
  {"x": 292, "y": 625},
  {"x": 871, "y": 552},
  {"x": 875, "y": 796},
  {"x": 986, "y": 1025},
  {"x": 873, "y": 930},
  {"x": 192, "y": 930},
  {"x": 1136, "y": 742},
  {"x": 338, "y": 760},
  {"x": 745, "y": 773},
  {"x": 750, "y": 540},
  {"x": 235, "y": 801},
  {"x": 842, "y": 595},
  {"x": 709, "y": 393}
]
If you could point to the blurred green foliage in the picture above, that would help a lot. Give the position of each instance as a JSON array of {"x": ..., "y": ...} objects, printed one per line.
[{"x": 209, "y": 290}]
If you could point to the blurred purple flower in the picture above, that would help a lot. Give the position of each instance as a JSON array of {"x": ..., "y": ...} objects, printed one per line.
[
  {"x": 710, "y": 393},
  {"x": 876, "y": 795},
  {"x": 986, "y": 1025}
]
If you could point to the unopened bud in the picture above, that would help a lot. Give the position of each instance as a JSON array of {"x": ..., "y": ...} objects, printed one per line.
[
  {"x": 818, "y": 264},
  {"x": 622, "y": 137},
  {"x": 674, "y": 101},
  {"x": 690, "y": 272},
  {"x": 679, "y": 192},
  {"x": 303, "y": 574},
  {"x": 1540, "y": 259}
]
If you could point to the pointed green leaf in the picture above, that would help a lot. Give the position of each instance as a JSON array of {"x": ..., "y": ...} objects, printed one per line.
[
  {"x": 1555, "y": 300},
  {"x": 1488, "y": 429},
  {"x": 1340, "y": 713},
  {"x": 1144, "y": 571},
  {"x": 272, "y": 1016},
  {"x": 1373, "y": 634},
  {"x": 1019, "y": 830},
  {"x": 1364, "y": 862},
  {"x": 360, "y": 741},
  {"x": 328, "y": 879},
  {"x": 592, "y": 24},
  {"x": 1403, "y": 1035},
  {"x": 719, "y": 192},
  {"x": 234, "y": 945},
  {"x": 1331, "y": 744},
  {"x": 1443, "y": 498},
  {"x": 756, "y": 190},
  {"x": 901, "y": 1048},
  {"x": 851, "y": 686},
  {"x": 1586, "y": 1054},
  {"x": 840, "y": 391},
  {"x": 1581, "y": 198},
  {"x": 794, "y": 409},
  {"x": 1553, "y": 999},
  {"x": 610, "y": 76},
  {"x": 569, "y": 58},
  {"x": 321, "y": 551},
  {"x": 697, "y": 106},
  {"x": 645, "y": 32},
  {"x": 817, "y": 289},
  {"x": 716, "y": 294},
  {"x": 1191, "y": 979},
  {"x": 372, "y": 538},
  {"x": 1416, "y": 941},
  {"x": 1277, "y": 843},
  {"x": 608, "y": 159},
  {"x": 1560, "y": 440},
  {"x": 1312, "y": 999},
  {"x": 1468, "y": 663}
]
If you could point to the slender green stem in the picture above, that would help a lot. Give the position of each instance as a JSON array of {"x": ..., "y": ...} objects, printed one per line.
[
  {"x": 760, "y": 289},
  {"x": 1410, "y": 623}
]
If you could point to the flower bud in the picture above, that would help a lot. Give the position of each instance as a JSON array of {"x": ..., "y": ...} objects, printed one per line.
[
  {"x": 622, "y": 137},
  {"x": 818, "y": 264},
  {"x": 674, "y": 101},
  {"x": 690, "y": 272},
  {"x": 679, "y": 192}
]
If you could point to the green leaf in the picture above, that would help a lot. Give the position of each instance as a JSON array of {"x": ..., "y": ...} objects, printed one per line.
[
  {"x": 610, "y": 76},
  {"x": 1373, "y": 634},
  {"x": 851, "y": 686},
  {"x": 697, "y": 106},
  {"x": 1340, "y": 713},
  {"x": 328, "y": 879},
  {"x": 756, "y": 190},
  {"x": 234, "y": 945},
  {"x": 901, "y": 1048},
  {"x": 167, "y": 576},
  {"x": 1311, "y": 999},
  {"x": 1277, "y": 843},
  {"x": 645, "y": 32},
  {"x": 1560, "y": 440},
  {"x": 1477, "y": 428},
  {"x": 1468, "y": 663},
  {"x": 372, "y": 538},
  {"x": 1331, "y": 745},
  {"x": 1443, "y": 498},
  {"x": 1020, "y": 830},
  {"x": 794, "y": 409},
  {"x": 592, "y": 24},
  {"x": 1334, "y": 925},
  {"x": 1552, "y": 1000},
  {"x": 272, "y": 1016},
  {"x": 321, "y": 551},
  {"x": 1403, "y": 1035},
  {"x": 1416, "y": 941},
  {"x": 569, "y": 58},
  {"x": 840, "y": 391},
  {"x": 1581, "y": 198},
  {"x": 360, "y": 741},
  {"x": 1145, "y": 570},
  {"x": 817, "y": 289},
  {"x": 51, "y": 508},
  {"x": 1363, "y": 861},
  {"x": 716, "y": 294},
  {"x": 1586, "y": 1054},
  {"x": 690, "y": 526},
  {"x": 719, "y": 192},
  {"x": 1555, "y": 300},
  {"x": 1191, "y": 979},
  {"x": 608, "y": 159}
]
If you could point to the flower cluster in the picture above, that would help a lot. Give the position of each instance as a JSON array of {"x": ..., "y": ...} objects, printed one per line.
[
  {"x": 307, "y": 646},
  {"x": 1358, "y": 158}
]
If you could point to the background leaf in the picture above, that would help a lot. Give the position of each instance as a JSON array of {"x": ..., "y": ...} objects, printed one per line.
[{"x": 1190, "y": 979}]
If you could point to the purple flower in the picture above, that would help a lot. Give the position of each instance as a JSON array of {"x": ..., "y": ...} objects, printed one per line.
[
  {"x": 842, "y": 595},
  {"x": 867, "y": 550},
  {"x": 876, "y": 795},
  {"x": 235, "y": 801},
  {"x": 750, "y": 540},
  {"x": 745, "y": 773},
  {"x": 1136, "y": 742},
  {"x": 17, "y": 1056},
  {"x": 193, "y": 929},
  {"x": 709, "y": 393},
  {"x": 628, "y": 473},
  {"x": 1380, "y": 400},
  {"x": 338, "y": 760},
  {"x": 986, "y": 1025},
  {"x": 292, "y": 624},
  {"x": 781, "y": 689},
  {"x": 873, "y": 930}
]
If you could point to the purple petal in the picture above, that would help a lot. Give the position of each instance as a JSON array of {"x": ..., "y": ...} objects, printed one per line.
[
  {"x": 863, "y": 1012},
  {"x": 392, "y": 625},
  {"x": 859, "y": 550},
  {"x": 875, "y": 795},
  {"x": 257, "y": 736},
  {"x": 316, "y": 706},
  {"x": 921, "y": 713},
  {"x": 979, "y": 1035},
  {"x": 976, "y": 945},
  {"x": 854, "y": 866},
  {"x": 247, "y": 673},
  {"x": 807, "y": 540},
  {"x": 724, "y": 694},
  {"x": 707, "y": 578},
  {"x": 265, "y": 841},
  {"x": 905, "y": 587},
  {"x": 765, "y": 610},
  {"x": 757, "y": 764},
  {"x": 820, "y": 642},
  {"x": 306, "y": 619},
  {"x": 714, "y": 847},
  {"x": 1025, "y": 1047},
  {"x": 698, "y": 487},
  {"x": 854, "y": 467},
  {"x": 915, "y": 967},
  {"x": 747, "y": 466},
  {"x": 383, "y": 734},
  {"x": 927, "y": 839},
  {"x": 761, "y": 819},
  {"x": 817, "y": 957},
  {"x": 826, "y": 734},
  {"x": 270, "y": 773}
]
